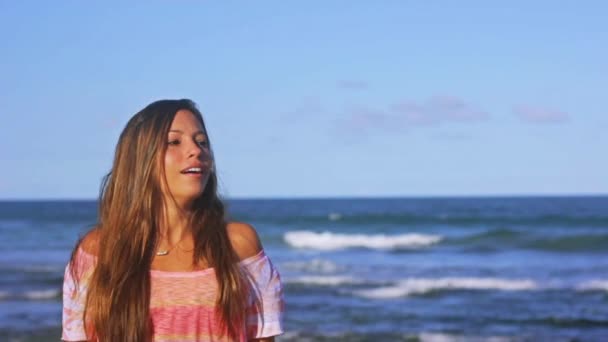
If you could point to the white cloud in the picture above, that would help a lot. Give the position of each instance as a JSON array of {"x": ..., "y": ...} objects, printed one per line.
[
  {"x": 540, "y": 115},
  {"x": 362, "y": 120},
  {"x": 437, "y": 110}
]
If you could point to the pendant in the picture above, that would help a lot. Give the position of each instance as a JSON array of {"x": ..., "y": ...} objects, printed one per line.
[{"x": 161, "y": 253}]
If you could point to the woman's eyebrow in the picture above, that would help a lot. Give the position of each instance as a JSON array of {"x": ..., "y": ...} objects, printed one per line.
[{"x": 182, "y": 132}]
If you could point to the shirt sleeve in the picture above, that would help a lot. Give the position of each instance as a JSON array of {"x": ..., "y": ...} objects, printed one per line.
[
  {"x": 74, "y": 297},
  {"x": 265, "y": 312}
]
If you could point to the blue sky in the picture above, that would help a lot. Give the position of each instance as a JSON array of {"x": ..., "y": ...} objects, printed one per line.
[{"x": 315, "y": 98}]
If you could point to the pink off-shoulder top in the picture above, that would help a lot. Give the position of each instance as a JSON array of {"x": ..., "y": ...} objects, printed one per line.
[{"x": 182, "y": 304}]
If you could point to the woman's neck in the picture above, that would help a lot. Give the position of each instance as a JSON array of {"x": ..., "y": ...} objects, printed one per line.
[{"x": 175, "y": 224}]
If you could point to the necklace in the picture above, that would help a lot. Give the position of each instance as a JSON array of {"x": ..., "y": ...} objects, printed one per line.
[{"x": 163, "y": 252}]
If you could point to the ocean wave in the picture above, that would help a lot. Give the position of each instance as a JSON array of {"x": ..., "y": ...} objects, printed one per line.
[
  {"x": 31, "y": 295},
  {"x": 412, "y": 219},
  {"x": 505, "y": 238},
  {"x": 315, "y": 265},
  {"x": 36, "y": 269},
  {"x": 594, "y": 285},
  {"x": 418, "y": 286},
  {"x": 323, "y": 280},
  {"x": 41, "y": 294},
  {"x": 573, "y": 243},
  {"x": 444, "y": 337},
  {"x": 578, "y": 322},
  {"x": 334, "y": 216},
  {"x": 394, "y": 335},
  {"x": 332, "y": 241},
  {"x": 494, "y": 235}
]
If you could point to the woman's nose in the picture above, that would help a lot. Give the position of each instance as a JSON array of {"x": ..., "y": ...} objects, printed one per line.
[{"x": 198, "y": 151}]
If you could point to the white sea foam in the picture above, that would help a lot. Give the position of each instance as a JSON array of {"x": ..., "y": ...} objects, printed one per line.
[
  {"x": 31, "y": 295},
  {"x": 442, "y": 337},
  {"x": 594, "y": 285},
  {"x": 304, "y": 336},
  {"x": 43, "y": 268},
  {"x": 334, "y": 216},
  {"x": 41, "y": 294},
  {"x": 323, "y": 280},
  {"x": 437, "y": 337},
  {"x": 333, "y": 241},
  {"x": 314, "y": 265},
  {"x": 414, "y": 286}
]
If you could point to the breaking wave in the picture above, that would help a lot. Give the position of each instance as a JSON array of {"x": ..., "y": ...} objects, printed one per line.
[
  {"x": 419, "y": 286},
  {"x": 594, "y": 285},
  {"x": 324, "y": 280},
  {"x": 333, "y": 241},
  {"x": 315, "y": 265},
  {"x": 31, "y": 295}
]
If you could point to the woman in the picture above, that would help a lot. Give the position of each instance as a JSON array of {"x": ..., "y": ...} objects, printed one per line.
[{"x": 162, "y": 263}]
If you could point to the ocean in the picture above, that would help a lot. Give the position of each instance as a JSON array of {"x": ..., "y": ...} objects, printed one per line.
[{"x": 394, "y": 269}]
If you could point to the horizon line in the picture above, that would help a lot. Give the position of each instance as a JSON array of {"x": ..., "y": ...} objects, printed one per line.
[{"x": 345, "y": 197}]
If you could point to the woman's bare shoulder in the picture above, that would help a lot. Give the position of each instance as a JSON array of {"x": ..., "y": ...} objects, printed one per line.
[{"x": 244, "y": 239}]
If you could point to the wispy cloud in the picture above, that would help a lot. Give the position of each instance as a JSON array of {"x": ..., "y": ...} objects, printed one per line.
[
  {"x": 398, "y": 118},
  {"x": 362, "y": 121},
  {"x": 307, "y": 107},
  {"x": 353, "y": 85},
  {"x": 540, "y": 115},
  {"x": 110, "y": 122},
  {"x": 365, "y": 117},
  {"x": 437, "y": 110}
]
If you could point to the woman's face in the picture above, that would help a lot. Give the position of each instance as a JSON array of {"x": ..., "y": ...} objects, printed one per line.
[{"x": 188, "y": 161}]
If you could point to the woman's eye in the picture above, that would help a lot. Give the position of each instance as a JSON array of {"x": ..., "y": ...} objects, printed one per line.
[
  {"x": 203, "y": 143},
  {"x": 173, "y": 142}
]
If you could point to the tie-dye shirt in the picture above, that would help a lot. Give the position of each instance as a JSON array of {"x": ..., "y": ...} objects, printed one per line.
[{"x": 182, "y": 304}]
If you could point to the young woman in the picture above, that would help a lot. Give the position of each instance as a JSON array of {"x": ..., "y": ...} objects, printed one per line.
[{"x": 163, "y": 263}]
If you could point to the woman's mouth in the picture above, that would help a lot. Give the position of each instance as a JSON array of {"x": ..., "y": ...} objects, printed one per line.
[{"x": 193, "y": 170}]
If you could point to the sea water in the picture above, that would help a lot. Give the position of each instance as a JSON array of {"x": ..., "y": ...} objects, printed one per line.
[{"x": 427, "y": 269}]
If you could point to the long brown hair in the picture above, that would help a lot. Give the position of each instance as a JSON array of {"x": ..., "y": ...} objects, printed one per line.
[{"x": 118, "y": 299}]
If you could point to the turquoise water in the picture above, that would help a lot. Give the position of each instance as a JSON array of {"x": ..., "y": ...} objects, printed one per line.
[{"x": 371, "y": 269}]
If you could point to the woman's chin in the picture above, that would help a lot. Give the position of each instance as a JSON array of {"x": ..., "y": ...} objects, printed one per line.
[
  {"x": 191, "y": 197},
  {"x": 185, "y": 199}
]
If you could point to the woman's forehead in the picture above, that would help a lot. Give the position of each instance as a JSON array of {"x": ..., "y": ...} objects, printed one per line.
[{"x": 186, "y": 121}]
